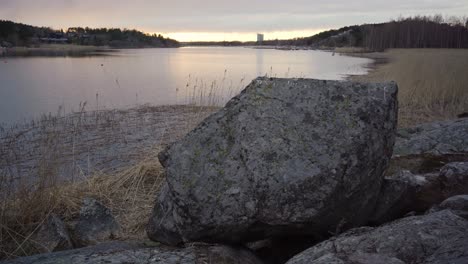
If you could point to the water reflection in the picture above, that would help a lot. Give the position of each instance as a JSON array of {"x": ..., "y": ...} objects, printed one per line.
[{"x": 33, "y": 86}]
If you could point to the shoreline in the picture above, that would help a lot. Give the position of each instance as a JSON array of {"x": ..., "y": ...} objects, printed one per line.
[
  {"x": 55, "y": 50},
  {"x": 63, "y": 50},
  {"x": 378, "y": 59}
]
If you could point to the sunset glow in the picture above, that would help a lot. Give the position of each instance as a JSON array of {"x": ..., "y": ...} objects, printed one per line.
[
  {"x": 215, "y": 20},
  {"x": 239, "y": 36}
]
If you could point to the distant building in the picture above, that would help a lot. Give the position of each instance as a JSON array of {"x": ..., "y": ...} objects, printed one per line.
[{"x": 260, "y": 38}]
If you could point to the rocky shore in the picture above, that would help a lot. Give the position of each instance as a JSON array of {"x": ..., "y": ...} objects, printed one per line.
[{"x": 296, "y": 171}]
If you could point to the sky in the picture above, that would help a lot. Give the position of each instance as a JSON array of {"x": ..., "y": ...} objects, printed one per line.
[{"x": 219, "y": 20}]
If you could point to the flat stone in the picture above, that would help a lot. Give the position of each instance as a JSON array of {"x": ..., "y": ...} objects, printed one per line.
[{"x": 136, "y": 252}]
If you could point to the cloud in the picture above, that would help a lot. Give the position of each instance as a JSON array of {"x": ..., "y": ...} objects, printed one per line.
[{"x": 219, "y": 16}]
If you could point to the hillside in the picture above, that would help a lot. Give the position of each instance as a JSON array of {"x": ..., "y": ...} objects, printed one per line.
[
  {"x": 412, "y": 32},
  {"x": 17, "y": 34}
]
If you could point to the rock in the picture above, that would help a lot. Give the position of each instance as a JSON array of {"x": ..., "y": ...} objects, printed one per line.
[
  {"x": 285, "y": 157},
  {"x": 458, "y": 204},
  {"x": 278, "y": 250},
  {"x": 52, "y": 236},
  {"x": 126, "y": 252},
  {"x": 456, "y": 252},
  {"x": 95, "y": 224},
  {"x": 454, "y": 179},
  {"x": 429, "y": 165},
  {"x": 428, "y": 147},
  {"x": 416, "y": 239},
  {"x": 357, "y": 258},
  {"x": 406, "y": 192}
]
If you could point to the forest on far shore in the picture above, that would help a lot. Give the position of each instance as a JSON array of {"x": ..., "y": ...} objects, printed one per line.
[
  {"x": 17, "y": 34},
  {"x": 411, "y": 32}
]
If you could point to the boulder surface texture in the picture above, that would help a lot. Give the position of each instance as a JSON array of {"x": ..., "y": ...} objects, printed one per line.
[
  {"x": 439, "y": 237},
  {"x": 133, "y": 252},
  {"x": 284, "y": 157}
]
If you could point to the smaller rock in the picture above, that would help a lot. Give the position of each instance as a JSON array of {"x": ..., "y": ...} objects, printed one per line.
[
  {"x": 52, "y": 236},
  {"x": 432, "y": 238},
  {"x": 95, "y": 224},
  {"x": 405, "y": 192},
  {"x": 278, "y": 250},
  {"x": 137, "y": 252},
  {"x": 428, "y": 147},
  {"x": 439, "y": 139},
  {"x": 454, "y": 178},
  {"x": 458, "y": 204}
]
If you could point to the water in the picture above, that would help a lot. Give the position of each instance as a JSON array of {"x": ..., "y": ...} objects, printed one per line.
[{"x": 32, "y": 86}]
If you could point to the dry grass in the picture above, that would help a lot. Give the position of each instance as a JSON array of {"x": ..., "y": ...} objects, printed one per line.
[
  {"x": 214, "y": 93},
  {"x": 129, "y": 192},
  {"x": 433, "y": 82}
]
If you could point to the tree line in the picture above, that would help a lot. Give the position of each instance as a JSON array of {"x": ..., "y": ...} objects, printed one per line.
[
  {"x": 411, "y": 32},
  {"x": 17, "y": 34},
  {"x": 116, "y": 37},
  {"x": 417, "y": 32}
]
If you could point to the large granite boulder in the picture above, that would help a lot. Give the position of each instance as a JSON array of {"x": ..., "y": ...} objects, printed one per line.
[
  {"x": 284, "y": 157},
  {"x": 135, "y": 252},
  {"x": 405, "y": 192},
  {"x": 439, "y": 237}
]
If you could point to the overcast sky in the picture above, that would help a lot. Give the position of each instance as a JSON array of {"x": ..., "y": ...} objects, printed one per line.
[{"x": 220, "y": 19}]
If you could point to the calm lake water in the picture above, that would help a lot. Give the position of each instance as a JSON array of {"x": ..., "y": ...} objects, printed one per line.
[{"x": 32, "y": 86}]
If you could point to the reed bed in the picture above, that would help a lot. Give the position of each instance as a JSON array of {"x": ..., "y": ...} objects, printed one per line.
[
  {"x": 433, "y": 82},
  {"x": 49, "y": 165},
  {"x": 214, "y": 93}
]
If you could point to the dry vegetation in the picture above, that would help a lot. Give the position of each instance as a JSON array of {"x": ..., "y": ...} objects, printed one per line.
[
  {"x": 129, "y": 190},
  {"x": 433, "y": 82},
  {"x": 49, "y": 166}
]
